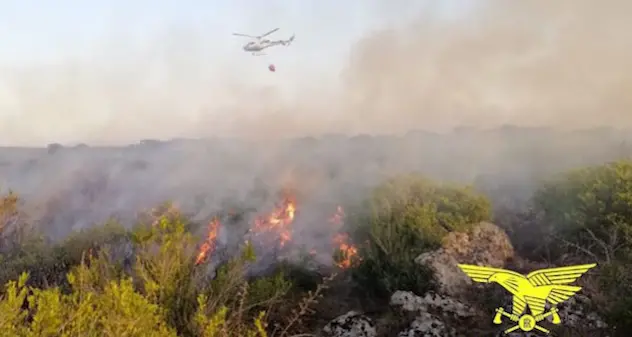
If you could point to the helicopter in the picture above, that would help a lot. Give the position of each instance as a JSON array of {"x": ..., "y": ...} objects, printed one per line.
[{"x": 259, "y": 44}]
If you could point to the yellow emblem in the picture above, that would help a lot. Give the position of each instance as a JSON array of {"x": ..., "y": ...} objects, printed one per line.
[{"x": 534, "y": 290}]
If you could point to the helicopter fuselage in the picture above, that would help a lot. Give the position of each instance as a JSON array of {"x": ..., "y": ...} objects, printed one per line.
[
  {"x": 259, "y": 43},
  {"x": 256, "y": 46}
]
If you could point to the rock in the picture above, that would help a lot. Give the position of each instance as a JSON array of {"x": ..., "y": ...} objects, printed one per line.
[
  {"x": 485, "y": 244},
  {"x": 446, "y": 314},
  {"x": 434, "y": 312},
  {"x": 351, "y": 324},
  {"x": 426, "y": 325},
  {"x": 431, "y": 302},
  {"x": 408, "y": 301},
  {"x": 573, "y": 313}
]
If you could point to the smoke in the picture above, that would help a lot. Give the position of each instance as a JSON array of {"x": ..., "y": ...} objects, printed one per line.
[
  {"x": 562, "y": 64},
  {"x": 533, "y": 63}
]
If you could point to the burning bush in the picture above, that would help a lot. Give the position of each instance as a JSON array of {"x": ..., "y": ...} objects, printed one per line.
[
  {"x": 165, "y": 288},
  {"x": 158, "y": 279},
  {"x": 403, "y": 218},
  {"x": 214, "y": 286},
  {"x": 273, "y": 235},
  {"x": 190, "y": 284}
]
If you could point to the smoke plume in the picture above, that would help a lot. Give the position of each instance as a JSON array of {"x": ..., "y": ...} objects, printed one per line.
[{"x": 533, "y": 63}]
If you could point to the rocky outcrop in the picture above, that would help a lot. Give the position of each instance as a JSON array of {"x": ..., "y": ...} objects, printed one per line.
[
  {"x": 460, "y": 308},
  {"x": 438, "y": 313},
  {"x": 485, "y": 244},
  {"x": 351, "y": 324},
  {"x": 434, "y": 312},
  {"x": 426, "y": 325},
  {"x": 575, "y": 313},
  {"x": 430, "y": 302}
]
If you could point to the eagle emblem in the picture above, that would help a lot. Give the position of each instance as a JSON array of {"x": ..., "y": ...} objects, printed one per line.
[{"x": 533, "y": 291}]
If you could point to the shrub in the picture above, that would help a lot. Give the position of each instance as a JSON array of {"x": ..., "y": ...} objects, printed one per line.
[
  {"x": 164, "y": 267},
  {"x": 9, "y": 211},
  {"x": 14, "y": 227},
  {"x": 21, "y": 247},
  {"x": 616, "y": 288},
  {"x": 194, "y": 305},
  {"x": 48, "y": 263},
  {"x": 163, "y": 294},
  {"x": 116, "y": 310},
  {"x": 589, "y": 210},
  {"x": 403, "y": 218}
]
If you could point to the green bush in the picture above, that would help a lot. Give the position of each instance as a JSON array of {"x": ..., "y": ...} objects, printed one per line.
[
  {"x": 21, "y": 247},
  {"x": 403, "y": 218},
  {"x": 164, "y": 268},
  {"x": 615, "y": 281},
  {"x": 227, "y": 305},
  {"x": 163, "y": 293},
  {"x": 589, "y": 211},
  {"x": 115, "y": 310},
  {"x": 48, "y": 263}
]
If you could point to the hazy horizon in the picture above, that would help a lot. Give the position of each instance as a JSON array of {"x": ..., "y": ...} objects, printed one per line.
[{"x": 115, "y": 73}]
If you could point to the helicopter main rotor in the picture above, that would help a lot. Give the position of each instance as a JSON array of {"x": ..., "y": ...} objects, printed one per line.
[{"x": 256, "y": 37}]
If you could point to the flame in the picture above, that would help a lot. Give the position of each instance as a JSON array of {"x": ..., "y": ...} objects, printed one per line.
[
  {"x": 348, "y": 252},
  {"x": 279, "y": 221},
  {"x": 278, "y": 224},
  {"x": 208, "y": 246}
]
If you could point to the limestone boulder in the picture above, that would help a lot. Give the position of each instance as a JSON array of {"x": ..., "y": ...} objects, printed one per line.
[
  {"x": 351, "y": 324},
  {"x": 485, "y": 244}
]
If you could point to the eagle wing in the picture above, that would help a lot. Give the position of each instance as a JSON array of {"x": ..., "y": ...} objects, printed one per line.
[
  {"x": 482, "y": 274},
  {"x": 559, "y": 278},
  {"x": 511, "y": 284}
]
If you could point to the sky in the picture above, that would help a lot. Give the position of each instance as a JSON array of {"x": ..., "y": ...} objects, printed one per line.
[
  {"x": 43, "y": 31},
  {"x": 44, "y": 40},
  {"x": 113, "y": 71}
]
